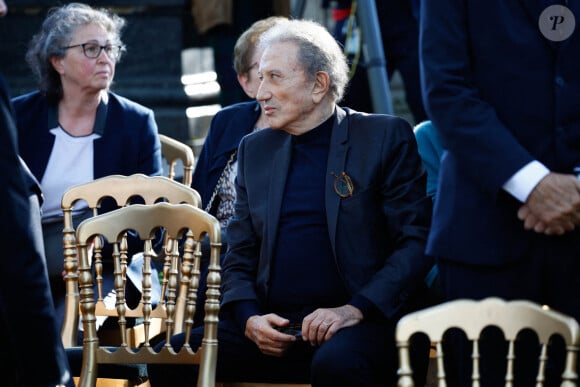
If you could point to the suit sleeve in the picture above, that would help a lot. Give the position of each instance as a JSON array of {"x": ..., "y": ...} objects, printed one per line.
[
  {"x": 396, "y": 226},
  {"x": 241, "y": 265},
  {"x": 470, "y": 126},
  {"x": 25, "y": 302}
]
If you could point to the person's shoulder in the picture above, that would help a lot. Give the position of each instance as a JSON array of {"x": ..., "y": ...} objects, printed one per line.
[
  {"x": 242, "y": 116},
  {"x": 239, "y": 111},
  {"x": 248, "y": 106},
  {"x": 32, "y": 98},
  {"x": 30, "y": 109},
  {"x": 424, "y": 128},
  {"x": 264, "y": 137},
  {"x": 374, "y": 121},
  {"x": 426, "y": 132}
]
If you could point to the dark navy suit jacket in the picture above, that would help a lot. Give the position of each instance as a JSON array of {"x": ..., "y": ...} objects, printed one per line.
[
  {"x": 129, "y": 140},
  {"x": 129, "y": 144},
  {"x": 501, "y": 95},
  {"x": 378, "y": 234},
  {"x": 31, "y": 350},
  {"x": 227, "y": 128}
]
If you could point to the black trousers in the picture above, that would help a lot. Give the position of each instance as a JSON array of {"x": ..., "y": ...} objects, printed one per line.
[{"x": 363, "y": 355}]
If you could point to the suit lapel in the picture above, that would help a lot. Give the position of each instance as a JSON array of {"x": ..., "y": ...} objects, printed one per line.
[
  {"x": 336, "y": 164},
  {"x": 278, "y": 174}
]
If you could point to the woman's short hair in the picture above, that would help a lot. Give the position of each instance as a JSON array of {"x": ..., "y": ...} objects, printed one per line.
[
  {"x": 248, "y": 41},
  {"x": 56, "y": 33}
]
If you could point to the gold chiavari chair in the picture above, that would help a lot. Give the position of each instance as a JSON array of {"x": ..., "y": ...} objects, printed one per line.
[
  {"x": 180, "y": 282},
  {"x": 173, "y": 151},
  {"x": 472, "y": 317},
  {"x": 121, "y": 189}
]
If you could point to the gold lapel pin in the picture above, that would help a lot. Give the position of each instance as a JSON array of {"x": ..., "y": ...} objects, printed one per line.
[{"x": 343, "y": 185}]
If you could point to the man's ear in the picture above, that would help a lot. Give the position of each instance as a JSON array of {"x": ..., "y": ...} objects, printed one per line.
[{"x": 321, "y": 86}]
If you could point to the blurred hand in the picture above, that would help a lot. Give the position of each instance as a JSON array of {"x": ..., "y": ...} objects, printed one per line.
[
  {"x": 320, "y": 325},
  {"x": 553, "y": 207},
  {"x": 262, "y": 331}
]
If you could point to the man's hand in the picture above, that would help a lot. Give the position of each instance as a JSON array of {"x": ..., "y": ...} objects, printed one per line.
[
  {"x": 261, "y": 330},
  {"x": 320, "y": 325},
  {"x": 553, "y": 207}
]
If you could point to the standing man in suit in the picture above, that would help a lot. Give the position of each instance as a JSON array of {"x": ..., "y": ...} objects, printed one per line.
[
  {"x": 329, "y": 230},
  {"x": 31, "y": 352},
  {"x": 501, "y": 83}
]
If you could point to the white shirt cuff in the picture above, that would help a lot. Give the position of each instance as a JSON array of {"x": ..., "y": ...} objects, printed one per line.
[{"x": 522, "y": 183}]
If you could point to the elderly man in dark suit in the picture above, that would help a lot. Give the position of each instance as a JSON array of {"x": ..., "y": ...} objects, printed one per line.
[
  {"x": 327, "y": 240},
  {"x": 31, "y": 352},
  {"x": 501, "y": 83}
]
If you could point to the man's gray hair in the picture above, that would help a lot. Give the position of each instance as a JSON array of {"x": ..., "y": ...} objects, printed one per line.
[{"x": 317, "y": 51}]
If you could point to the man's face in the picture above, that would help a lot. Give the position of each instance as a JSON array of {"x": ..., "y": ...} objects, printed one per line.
[{"x": 285, "y": 91}]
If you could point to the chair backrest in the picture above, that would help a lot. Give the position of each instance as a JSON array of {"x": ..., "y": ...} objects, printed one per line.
[
  {"x": 122, "y": 189},
  {"x": 172, "y": 151},
  {"x": 180, "y": 283},
  {"x": 472, "y": 317}
]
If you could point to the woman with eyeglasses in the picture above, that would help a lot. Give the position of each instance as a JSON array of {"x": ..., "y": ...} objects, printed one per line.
[{"x": 73, "y": 129}]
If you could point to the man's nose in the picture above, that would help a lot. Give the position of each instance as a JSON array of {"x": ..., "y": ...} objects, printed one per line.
[{"x": 262, "y": 94}]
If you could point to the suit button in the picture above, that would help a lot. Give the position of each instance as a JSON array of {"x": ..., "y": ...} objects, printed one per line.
[{"x": 559, "y": 81}]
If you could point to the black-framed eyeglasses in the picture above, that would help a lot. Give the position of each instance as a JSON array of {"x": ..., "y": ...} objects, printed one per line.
[
  {"x": 93, "y": 50},
  {"x": 343, "y": 185}
]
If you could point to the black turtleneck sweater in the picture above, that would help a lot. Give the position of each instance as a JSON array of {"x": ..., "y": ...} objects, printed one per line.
[{"x": 304, "y": 274}]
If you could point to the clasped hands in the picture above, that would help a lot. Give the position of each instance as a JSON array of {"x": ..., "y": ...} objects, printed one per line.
[
  {"x": 553, "y": 207},
  {"x": 318, "y": 327}
]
